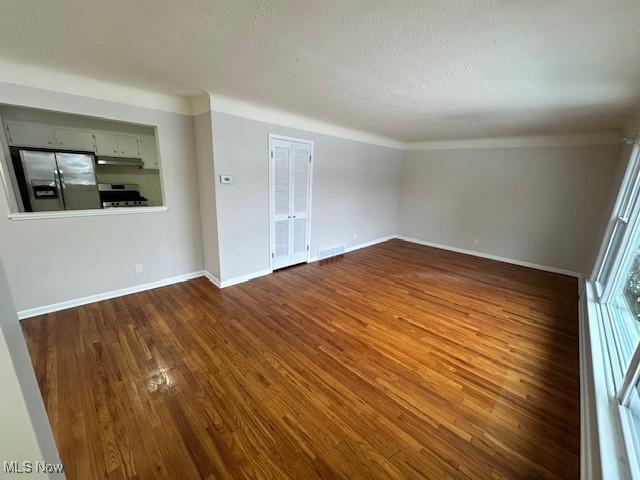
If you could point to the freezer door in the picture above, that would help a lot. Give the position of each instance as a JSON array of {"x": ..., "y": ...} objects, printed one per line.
[
  {"x": 41, "y": 181},
  {"x": 78, "y": 179}
]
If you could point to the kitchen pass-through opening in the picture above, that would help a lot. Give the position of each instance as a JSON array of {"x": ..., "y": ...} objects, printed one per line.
[{"x": 55, "y": 162}]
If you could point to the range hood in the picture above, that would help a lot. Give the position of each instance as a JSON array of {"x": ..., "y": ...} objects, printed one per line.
[{"x": 121, "y": 161}]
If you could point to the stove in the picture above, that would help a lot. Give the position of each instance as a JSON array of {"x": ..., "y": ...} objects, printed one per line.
[{"x": 121, "y": 195}]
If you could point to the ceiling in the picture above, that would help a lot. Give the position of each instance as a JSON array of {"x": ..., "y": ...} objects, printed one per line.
[{"x": 414, "y": 70}]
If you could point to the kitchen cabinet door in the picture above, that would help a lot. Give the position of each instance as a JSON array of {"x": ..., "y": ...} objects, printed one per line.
[
  {"x": 30, "y": 135},
  {"x": 149, "y": 151},
  {"x": 128, "y": 146},
  {"x": 106, "y": 144},
  {"x": 72, "y": 139}
]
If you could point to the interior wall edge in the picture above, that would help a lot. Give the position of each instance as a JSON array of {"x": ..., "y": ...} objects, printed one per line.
[
  {"x": 212, "y": 278},
  {"x": 205, "y": 165},
  {"x": 21, "y": 403}
]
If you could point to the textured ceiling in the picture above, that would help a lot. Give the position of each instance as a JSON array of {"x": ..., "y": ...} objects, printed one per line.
[{"x": 409, "y": 70}]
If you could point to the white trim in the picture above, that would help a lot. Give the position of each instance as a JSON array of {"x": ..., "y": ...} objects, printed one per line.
[
  {"x": 369, "y": 244},
  {"x": 199, "y": 104},
  {"x": 76, "y": 302},
  {"x": 608, "y": 441},
  {"x": 244, "y": 278},
  {"x": 84, "y": 213},
  {"x": 589, "y": 447},
  {"x": 623, "y": 207},
  {"x": 241, "y": 108},
  {"x": 512, "y": 261},
  {"x": 212, "y": 278},
  {"x": 597, "y": 138},
  {"x": 356, "y": 247},
  {"x": 79, "y": 85}
]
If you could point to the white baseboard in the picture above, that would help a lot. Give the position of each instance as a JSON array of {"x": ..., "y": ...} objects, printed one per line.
[
  {"x": 235, "y": 280},
  {"x": 76, "y": 302},
  {"x": 492, "y": 257},
  {"x": 244, "y": 278},
  {"x": 212, "y": 278},
  {"x": 356, "y": 247},
  {"x": 54, "y": 307},
  {"x": 369, "y": 244},
  {"x": 251, "y": 276}
]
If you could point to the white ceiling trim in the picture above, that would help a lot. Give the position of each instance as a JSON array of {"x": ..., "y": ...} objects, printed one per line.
[
  {"x": 240, "y": 108},
  {"x": 47, "y": 79},
  {"x": 597, "y": 138},
  {"x": 199, "y": 104}
]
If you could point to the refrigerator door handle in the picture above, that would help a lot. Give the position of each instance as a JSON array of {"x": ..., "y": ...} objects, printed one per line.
[{"x": 59, "y": 185}]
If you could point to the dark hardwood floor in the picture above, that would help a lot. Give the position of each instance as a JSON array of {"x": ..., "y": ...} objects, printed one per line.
[{"x": 395, "y": 361}]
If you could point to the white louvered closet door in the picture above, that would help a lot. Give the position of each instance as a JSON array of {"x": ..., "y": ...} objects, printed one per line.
[
  {"x": 300, "y": 200},
  {"x": 290, "y": 172}
]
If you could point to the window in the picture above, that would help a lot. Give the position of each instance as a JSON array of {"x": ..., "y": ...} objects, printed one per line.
[{"x": 617, "y": 284}]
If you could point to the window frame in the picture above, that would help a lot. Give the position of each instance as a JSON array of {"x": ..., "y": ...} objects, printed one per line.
[
  {"x": 623, "y": 213},
  {"x": 609, "y": 274}
]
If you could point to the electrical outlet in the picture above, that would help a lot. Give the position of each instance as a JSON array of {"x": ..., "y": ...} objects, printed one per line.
[
  {"x": 355, "y": 236},
  {"x": 476, "y": 241},
  {"x": 139, "y": 268}
]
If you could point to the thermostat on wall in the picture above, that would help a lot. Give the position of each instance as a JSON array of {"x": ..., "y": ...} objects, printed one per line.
[{"x": 226, "y": 178}]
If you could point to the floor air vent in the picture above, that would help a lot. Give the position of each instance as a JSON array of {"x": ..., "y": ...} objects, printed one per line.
[{"x": 330, "y": 251}]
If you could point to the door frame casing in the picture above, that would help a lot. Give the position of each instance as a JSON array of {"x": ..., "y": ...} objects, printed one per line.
[{"x": 275, "y": 136}]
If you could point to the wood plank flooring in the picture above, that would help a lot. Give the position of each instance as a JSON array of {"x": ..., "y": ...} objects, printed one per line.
[{"x": 395, "y": 361}]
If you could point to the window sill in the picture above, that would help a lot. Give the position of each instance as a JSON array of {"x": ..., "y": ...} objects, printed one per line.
[{"x": 84, "y": 213}]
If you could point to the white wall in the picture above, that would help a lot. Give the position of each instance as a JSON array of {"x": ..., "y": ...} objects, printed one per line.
[
  {"x": 544, "y": 205},
  {"x": 354, "y": 192},
  {"x": 25, "y": 433},
  {"x": 54, "y": 260},
  {"x": 207, "y": 194}
]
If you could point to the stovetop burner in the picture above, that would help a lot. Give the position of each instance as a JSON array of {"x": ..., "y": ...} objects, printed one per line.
[{"x": 120, "y": 195}]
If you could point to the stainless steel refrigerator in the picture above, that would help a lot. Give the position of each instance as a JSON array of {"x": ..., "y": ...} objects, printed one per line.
[{"x": 60, "y": 181}]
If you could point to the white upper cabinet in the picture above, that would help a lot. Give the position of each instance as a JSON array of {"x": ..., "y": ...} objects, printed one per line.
[
  {"x": 106, "y": 144},
  {"x": 31, "y": 135},
  {"x": 149, "y": 152},
  {"x": 128, "y": 146},
  {"x": 74, "y": 139},
  {"x": 114, "y": 145}
]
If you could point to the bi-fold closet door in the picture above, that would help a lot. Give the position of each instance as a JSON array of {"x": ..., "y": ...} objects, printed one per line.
[{"x": 290, "y": 200}]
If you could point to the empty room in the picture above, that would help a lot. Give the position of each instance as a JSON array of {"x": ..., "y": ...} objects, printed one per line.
[{"x": 320, "y": 240}]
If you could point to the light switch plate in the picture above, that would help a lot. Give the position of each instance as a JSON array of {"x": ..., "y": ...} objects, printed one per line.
[{"x": 226, "y": 178}]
